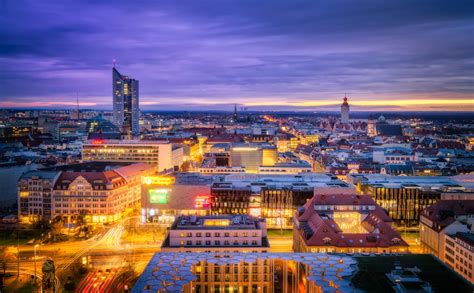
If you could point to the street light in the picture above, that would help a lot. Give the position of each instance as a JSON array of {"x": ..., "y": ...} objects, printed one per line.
[{"x": 36, "y": 246}]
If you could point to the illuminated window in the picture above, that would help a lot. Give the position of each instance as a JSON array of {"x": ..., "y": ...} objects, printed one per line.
[{"x": 216, "y": 222}]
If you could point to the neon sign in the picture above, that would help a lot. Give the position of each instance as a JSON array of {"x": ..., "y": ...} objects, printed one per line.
[
  {"x": 202, "y": 202},
  {"x": 159, "y": 196},
  {"x": 98, "y": 141}
]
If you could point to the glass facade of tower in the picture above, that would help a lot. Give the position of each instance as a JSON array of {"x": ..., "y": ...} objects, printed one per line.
[{"x": 125, "y": 103}]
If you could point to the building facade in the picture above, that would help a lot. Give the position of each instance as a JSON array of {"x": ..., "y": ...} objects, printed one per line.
[
  {"x": 164, "y": 198},
  {"x": 439, "y": 221},
  {"x": 125, "y": 103},
  {"x": 35, "y": 189},
  {"x": 459, "y": 254},
  {"x": 223, "y": 233},
  {"x": 404, "y": 197},
  {"x": 274, "y": 197},
  {"x": 159, "y": 154},
  {"x": 251, "y": 156},
  {"x": 97, "y": 191}
]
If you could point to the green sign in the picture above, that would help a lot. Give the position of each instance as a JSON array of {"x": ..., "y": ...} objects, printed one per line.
[{"x": 159, "y": 196}]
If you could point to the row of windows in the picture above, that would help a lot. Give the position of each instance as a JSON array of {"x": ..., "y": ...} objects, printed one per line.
[
  {"x": 461, "y": 252},
  {"x": 216, "y": 243},
  {"x": 218, "y": 234},
  {"x": 65, "y": 205},
  {"x": 65, "y": 212},
  {"x": 92, "y": 199}
]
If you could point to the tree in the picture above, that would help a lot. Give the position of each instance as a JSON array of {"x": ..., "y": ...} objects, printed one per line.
[
  {"x": 56, "y": 227},
  {"x": 81, "y": 224}
]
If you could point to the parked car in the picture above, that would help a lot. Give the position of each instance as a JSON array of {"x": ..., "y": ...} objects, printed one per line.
[{"x": 11, "y": 219}]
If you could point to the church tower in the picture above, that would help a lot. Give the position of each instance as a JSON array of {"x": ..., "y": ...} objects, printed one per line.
[{"x": 345, "y": 111}]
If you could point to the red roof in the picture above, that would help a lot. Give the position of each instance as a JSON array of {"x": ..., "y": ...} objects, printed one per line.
[
  {"x": 325, "y": 231},
  {"x": 443, "y": 213}
]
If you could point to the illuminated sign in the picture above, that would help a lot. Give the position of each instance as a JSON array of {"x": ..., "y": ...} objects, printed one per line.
[
  {"x": 158, "y": 180},
  {"x": 159, "y": 196},
  {"x": 202, "y": 201},
  {"x": 98, "y": 141}
]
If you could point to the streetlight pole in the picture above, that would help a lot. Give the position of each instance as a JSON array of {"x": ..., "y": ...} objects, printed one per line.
[
  {"x": 18, "y": 251},
  {"x": 36, "y": 246}
]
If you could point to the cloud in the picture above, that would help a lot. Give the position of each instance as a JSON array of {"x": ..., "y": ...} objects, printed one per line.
[{"x": 237, "y": 51}]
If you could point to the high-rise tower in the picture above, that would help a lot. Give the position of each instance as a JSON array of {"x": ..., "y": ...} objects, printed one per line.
[
  {"x": 345, "y": 111},
  {"x": 126, "y": 103}
]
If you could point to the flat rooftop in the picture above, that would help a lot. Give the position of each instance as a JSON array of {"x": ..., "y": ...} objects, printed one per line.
[
  {"x": 100, "y": 142},
  {"x": 228, "y": 222}
]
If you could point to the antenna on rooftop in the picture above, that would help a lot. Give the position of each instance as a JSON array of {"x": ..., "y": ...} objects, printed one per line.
[
  {"x": 77, "y": 105},
  {"x": 113, "y": 62}
]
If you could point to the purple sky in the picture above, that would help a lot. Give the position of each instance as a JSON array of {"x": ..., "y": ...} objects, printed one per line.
[{"x": 204, "y": 54}]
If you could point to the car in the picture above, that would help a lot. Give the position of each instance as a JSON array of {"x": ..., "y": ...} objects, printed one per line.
[{"x": 11, "y": 219}]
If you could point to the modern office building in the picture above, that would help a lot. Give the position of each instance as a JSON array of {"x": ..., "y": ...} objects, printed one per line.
[
  {"x": 345, "y": 111},
  {"x": 404, "y": 197},
  {"x": 223, "y": 233},
  {"x": 345, "y": 223},
  {"x": 125, "y": 103},
  {"x": 274, "y": 197},
  {"x": 97, "y": 191},
  {"x": 162, "y": 155},
  {"x": 253, "y": 155},
  {"x": 100, "y": 128}
]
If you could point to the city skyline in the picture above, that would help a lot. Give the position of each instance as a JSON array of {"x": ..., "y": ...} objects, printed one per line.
[{"x": 300, "y": 56}]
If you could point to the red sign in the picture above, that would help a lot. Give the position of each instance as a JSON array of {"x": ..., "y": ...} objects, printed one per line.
[
  {"x": 202, "y": 202},
  {"x": 97, "y": 141}
]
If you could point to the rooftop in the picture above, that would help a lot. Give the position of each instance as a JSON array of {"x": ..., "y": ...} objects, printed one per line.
[
  {"x": 124, "y": 142},
  {"x": 466, "y": 237},
  {"x": 172, "y": 272},
  {"x": 231, "y": 222},
  {"x": 320, "y": 223}
]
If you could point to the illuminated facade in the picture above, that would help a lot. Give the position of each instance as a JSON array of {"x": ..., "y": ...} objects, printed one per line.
[
  {"x": 345, "y": 223},
  {"x": 274, "y": 197},
  {"x": 404, "y": 197},
  {"x": 14, "y": 131},
  {"x": 247, "y": 273},
  {"x": 125, "y": 103},
  {"x": 98, "y": 192},
  {"x": 159, "y": 154},
  {"x": 166, "y": 197},
  {"x": 35, "y": 190},
  {"x": 251, "y": 156},
  {"x": 224, "y": 233}
]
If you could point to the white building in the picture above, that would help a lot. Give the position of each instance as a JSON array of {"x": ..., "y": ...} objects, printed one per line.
[
  {"x": 223, "y": 233},
  {"x": 159, "y": 154}
]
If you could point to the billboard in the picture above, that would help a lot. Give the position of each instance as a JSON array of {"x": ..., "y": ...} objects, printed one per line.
[{"x": 159, "y": 196}]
